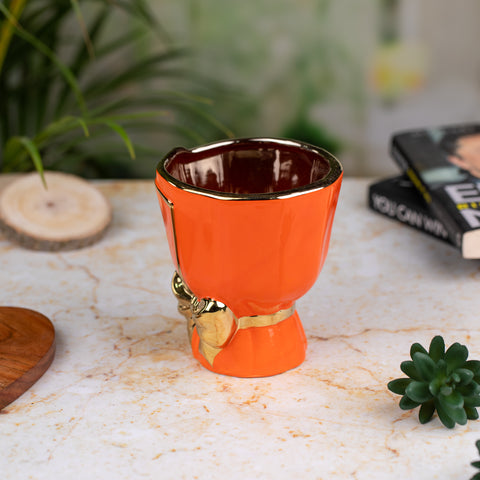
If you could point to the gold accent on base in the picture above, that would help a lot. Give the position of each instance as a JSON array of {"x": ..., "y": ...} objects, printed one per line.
[
  {"x": 215, "y": 322},
  {"x": 265, "y": 320}
]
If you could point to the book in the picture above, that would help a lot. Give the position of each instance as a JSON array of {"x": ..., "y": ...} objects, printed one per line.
[
  {"x": 397, "y": 198},
  {"x": 443, "y": 163}
]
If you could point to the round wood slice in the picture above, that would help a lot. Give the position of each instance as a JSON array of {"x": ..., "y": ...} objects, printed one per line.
[
  {"x": 70, "y": 213},
  {"x": 27, "y": 348}
]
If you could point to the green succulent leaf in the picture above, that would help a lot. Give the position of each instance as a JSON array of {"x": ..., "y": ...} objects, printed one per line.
[
  {"x": 442, "y": 366},
  {"x": 473, "y": 365},
  {"x": 456, "y": 356},
  {"x": 408, "y": 368},
  {"x": 434, "y": 386},
  {"x": 446, "y": 390},
  {"x": 454, "y": 400},
  {"x": 418, "y": 391},
  {"x": 459, "y": 415},
  {"x": 453, "y": 410},
  {"x": 476, "y": 464},
  {"x": 437, "y": 348},
  {"x": 425, "y": 365},
  {"x": 472, "y": 401},
  {"x": 471, "y": 412},
  {"x": 476, "y": 476},
  {"x": 415, "y": 348},
  {"x": 455, "y": 377},
  {"x": 477, "y": 444},
  {"x": 426, "y": 412},
  {"x": 399, "y": 385},
  {"x": 443, "y": 415},
  {"x": 407, "y": 403},
  {"x": 470, "y": 390},
  {"x": 466, "y": 375}
]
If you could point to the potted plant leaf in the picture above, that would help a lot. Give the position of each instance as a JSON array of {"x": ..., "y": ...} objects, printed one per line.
[{"x": 81, "y": 95}]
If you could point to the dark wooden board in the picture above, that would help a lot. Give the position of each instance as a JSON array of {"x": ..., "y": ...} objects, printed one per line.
[{"x": 27, "y": 348}]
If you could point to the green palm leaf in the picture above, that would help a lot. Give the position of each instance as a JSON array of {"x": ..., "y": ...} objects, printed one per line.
[
  {"x": 45, "y": 50},
  {"x": 66, "y": 98}
]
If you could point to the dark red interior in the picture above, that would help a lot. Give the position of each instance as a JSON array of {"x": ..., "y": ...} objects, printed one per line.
[{"x": 250, "y": 167}]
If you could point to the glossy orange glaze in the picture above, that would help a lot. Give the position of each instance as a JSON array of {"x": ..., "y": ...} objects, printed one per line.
[
  {"x": 259, "y": 351},
  {"x": 255, "y": 256}
]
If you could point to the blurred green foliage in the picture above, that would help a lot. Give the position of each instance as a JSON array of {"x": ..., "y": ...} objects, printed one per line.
[
  {"x": 97, "y": 88},
  {"x": 283, "y": 61}
]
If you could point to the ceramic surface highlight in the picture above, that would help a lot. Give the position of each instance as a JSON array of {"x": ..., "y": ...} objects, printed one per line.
[{"x": 248, "y": 223}]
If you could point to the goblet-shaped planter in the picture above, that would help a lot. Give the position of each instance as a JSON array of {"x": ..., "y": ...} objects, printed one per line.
[{"x": 248, "y": 223}]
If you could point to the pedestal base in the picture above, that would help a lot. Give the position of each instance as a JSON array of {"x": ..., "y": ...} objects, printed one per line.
[{"x": 259, "y": 351}]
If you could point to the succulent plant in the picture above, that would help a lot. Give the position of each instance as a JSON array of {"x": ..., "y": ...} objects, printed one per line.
[
  {"x": 476, "y": 464},
  {"x": 440, "y": 380}
]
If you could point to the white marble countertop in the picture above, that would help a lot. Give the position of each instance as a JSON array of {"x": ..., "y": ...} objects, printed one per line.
[{"x": 124, "y": 398}]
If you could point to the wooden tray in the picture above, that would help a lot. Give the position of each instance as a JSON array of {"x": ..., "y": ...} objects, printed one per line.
[{"x": 27, "y": 348}]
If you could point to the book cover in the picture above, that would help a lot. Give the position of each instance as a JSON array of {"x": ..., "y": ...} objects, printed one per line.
[
  {"x": 397, "y": 198},
  {"x": 444, "y": 165}
]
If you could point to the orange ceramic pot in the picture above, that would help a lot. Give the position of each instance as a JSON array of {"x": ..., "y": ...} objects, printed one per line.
[{"x": 248, "y": 223}]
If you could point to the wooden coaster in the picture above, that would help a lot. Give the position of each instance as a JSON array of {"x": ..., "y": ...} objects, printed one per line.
[
  {"x": 27, "y": 348},
  {"x": 70, "y": 213}
]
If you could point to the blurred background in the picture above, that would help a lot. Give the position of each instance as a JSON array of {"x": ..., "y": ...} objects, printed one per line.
[{"x": 154, "y": 75}]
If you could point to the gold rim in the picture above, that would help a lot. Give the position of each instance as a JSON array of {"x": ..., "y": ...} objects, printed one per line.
[{"x": 332, "y": 176}]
